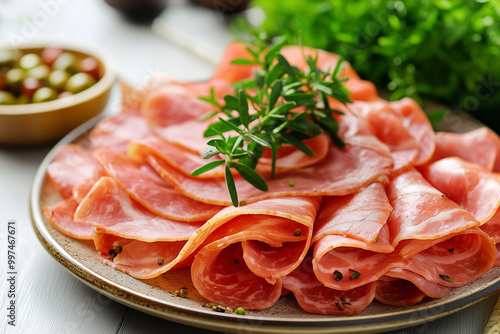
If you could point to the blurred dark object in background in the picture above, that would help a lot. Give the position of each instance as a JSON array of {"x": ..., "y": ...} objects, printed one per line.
[
  {"x": 139, "y": 11},
  {"x": 226, "y": 7}
]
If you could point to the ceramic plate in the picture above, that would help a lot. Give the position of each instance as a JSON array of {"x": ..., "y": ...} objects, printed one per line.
[{"x": 155, "y": 296}]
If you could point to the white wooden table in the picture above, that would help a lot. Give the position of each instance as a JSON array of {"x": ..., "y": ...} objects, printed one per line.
[{"x": 48, "y": 298}]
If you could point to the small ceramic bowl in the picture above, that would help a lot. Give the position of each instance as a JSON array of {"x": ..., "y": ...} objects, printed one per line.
[{"x": 46, "y": 122}]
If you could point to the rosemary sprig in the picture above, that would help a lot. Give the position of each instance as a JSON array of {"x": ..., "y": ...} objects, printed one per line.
[{"x": 280, "y": 104}]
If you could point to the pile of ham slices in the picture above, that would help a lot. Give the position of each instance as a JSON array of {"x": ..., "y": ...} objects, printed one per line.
[{"x": 400, "y": 214}]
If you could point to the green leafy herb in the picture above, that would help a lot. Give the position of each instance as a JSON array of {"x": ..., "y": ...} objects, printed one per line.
[
  {"x": 446, "y": 51},
  {"x": 280, "y": 105}
]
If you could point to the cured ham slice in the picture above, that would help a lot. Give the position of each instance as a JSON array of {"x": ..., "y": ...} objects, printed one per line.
[
  {"x": 430, "y": 289},
  {"x": 342, "y": 262},
  {"x": 467, "y": 184},
  {"x": 137, "y": 258},
  {"x": 173, "y": 113},
  {"x": 220, "y": 275},
  {"x": 115, "y": 132},
  {"x": 421, "y": 211},
  {"x": 61, "y": 217},
  {"x": 72, "y": 165},
  {"x": 398, "y": 292},
  {"x": 154, "y": 194},
  {"x": 480, "y": 146},
  {"x": 351, "y": 239},
  {"x": 314, "y": 297},
  {"x": 341, "y": 172},
  {"x": 263, "y": 246},
  {"x": 110, "y": 209},
  {"x": 359, "y": 216},
  {"x": 418, "y": 125},
  {"x": 148, "y": 243},
  {"x": 388, "y": 126},
  {"x": 472, "y": 187},
  {"x": 186, "y": 162},
  {"x": 438, "y": 240}
]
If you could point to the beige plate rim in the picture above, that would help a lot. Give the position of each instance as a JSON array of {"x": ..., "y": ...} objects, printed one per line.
[{"x": 203, "y": 318}]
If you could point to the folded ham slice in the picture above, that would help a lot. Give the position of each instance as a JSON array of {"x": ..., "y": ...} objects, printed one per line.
[
  {"x": 266, "y": 240},
  {"x": 341, "y": 172},
  {"x": 351, "y": 239},
  {"x": 186, "y": 162},
  {"x": 153, "y": 193},
  {"x": 61, "y": 216},
  {"x": 72, "y": 165},
  {"x": 474, "y": 188},
  {"x": 115, "y": 132},
  {"x": 314, "y": 297},
  {"x": 388, "y": 126},
  {"x": 480, "y": 146},
  {"x": 435, "y": 237}
]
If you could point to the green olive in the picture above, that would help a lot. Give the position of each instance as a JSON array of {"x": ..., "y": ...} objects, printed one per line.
[
  {"x": 40, "y": 72},
  {"x": 79, "y": 82},
  {"x": 9, "y": 58},
  {"x": 7, "y": 97},
  {"x": 23, "y": 99},
  {"x": 29, "y": 60},
  {"x": 14, "y": 80},
  {"x": 66, "y": 62},
  {"x": 44, "y": 94},
  {"x": 58, "y": 78}
]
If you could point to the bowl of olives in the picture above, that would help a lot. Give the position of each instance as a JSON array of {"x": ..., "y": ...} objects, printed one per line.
[{"x": 48, "y": 90}]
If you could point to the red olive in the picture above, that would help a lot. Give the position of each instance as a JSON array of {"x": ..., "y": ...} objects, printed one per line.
[
  {"x": 30, "y": 86},
  {"x": 90, "y": 66},
  {"x": 49, "y": 55},
  {"x": 64, "y": 94}
]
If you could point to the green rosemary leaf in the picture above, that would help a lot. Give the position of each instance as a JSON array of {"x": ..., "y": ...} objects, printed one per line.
[
  {"x": 245, "y": 84},
  {"x": 244, "y": 117},
  {"x": 231, "y": 187},
  {"x": 297, "y": 143},
  {"x": 232, "y": 102},
  {"x": 218, "y": 128},
  {"x": 275, "y": 93},
  {"x": 260, "y": 141},
  {"x": 214, "y": 142},
  {"x": 274, "y": 74},
  {"x": 210, "y": 152},
  {"x": 243, "y": 61},
  {"x": 207, "y": 116},
  {"x": 251, "y": 176},
  {"x": 231, "y": 125},
  {"x": 299, "y": 97},
  {"x": 211, "y": 99},
  {"x": 211, "y": 165},
  {"x": 282, "y": 109},
  {"x": 291, "y": 71},
  {"x": 331, "y": 126},
  {"x": 254, "y": 153},
  {"x": 322, "y": 88},
  {"x": 309, "y": 129}
]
